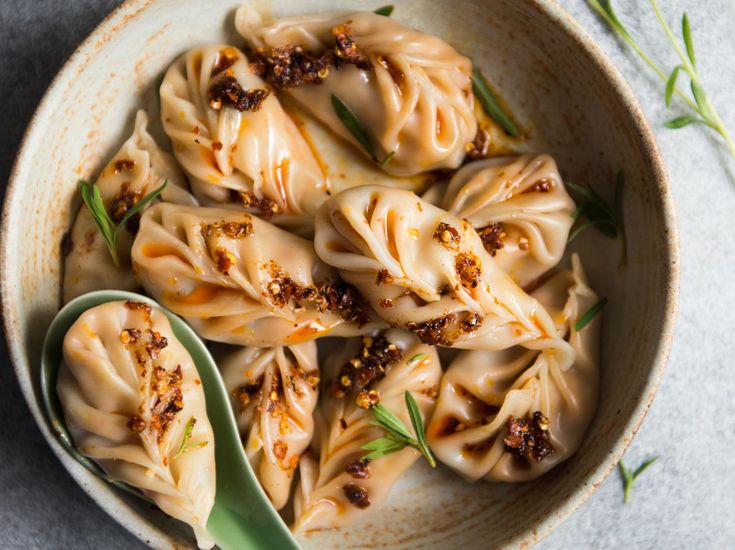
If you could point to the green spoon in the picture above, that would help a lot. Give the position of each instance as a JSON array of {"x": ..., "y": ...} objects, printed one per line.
[{"x": 242, "y": 517}]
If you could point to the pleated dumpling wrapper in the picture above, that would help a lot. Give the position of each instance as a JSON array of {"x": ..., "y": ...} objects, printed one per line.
[
  {"x": 235, "y": 141},
  {"x": 273, "y": 392},
  {"x": 412, "y": 92},
  {"x": 133, "y": 402},
  {"x": 425, "y": 270},
  {"x": 514, "y": 415},
  {"x": 240, "y": 280},
  {"x": 341, "y": 488},
  {"x": 520, "y": 209},
  {"x": 138, "y": 168}
]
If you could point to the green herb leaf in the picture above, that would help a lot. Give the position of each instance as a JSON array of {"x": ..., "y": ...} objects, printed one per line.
[
  {"x": 590, "y": 314},
  {"x": 700, "y": 104},
  {"x": 681, "y": 121},
  {"x": 418, "y": 427},
  {"x": 384, "y": 418},
  {"x": 398, "y": 435},
  {"x": 93, "y": 201},
  {"x": 490, "y": 104},
  {"x": 141, "y": 204},
  {"x": 629, "y": 478},
  {"x": 381, "y": 447},
  {"x": 96, "y": 206},
  {"x": 415, "y": 359},
  {"x": 671, "y": 85},
  {"x": 353, "y": 125},
  {"x": 596, "y": 211},
  {"x": 385, "y": 11},
  {"x": 686, "y": 32},
  {"x": 185, "y": 447},
  {"x": 387, "y": 159}
]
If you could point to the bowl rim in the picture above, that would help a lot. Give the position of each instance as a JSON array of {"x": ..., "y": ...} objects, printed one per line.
[{"x": 551, "y": 9}]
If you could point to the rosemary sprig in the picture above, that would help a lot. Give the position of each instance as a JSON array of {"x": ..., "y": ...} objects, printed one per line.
[
  {"x": 606, "y": 218},
  {"x": 490, "y": 104},
  {"x": 109, "y": 229},
  {"x": 629, "y": 477},
  {"x": 705, "y": 112},
  {"x": 357, "y": 129},
  {"x": 385, "y": 11},
  {"x": 590, "y": 314},
  {"x": 398, "y": 435},
  {"x": 185, "y": 446}
]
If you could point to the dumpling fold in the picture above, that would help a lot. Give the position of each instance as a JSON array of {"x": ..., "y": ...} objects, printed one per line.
[
  {"x": 513, "y": 415},
  {"x": 134, "y": 404},
  {"x": 240, "y": 280},
  {"x": 412, "y": 92}
]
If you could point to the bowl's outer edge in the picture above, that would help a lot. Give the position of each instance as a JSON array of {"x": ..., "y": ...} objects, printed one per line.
[{"x": 551, "y": 9}]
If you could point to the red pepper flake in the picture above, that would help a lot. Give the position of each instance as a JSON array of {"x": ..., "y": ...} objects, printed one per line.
[
  {"x": 434, "y": 331},
  {"x": 468, "y": 270},
  {"x": 130, "y": 335},
  {"x": 136, "y": 424},
  {"x": 139, "y": 306},
  {"x": 225, "y": 260},
  {"x": 228, "y": 92},
  {"x": 359, "y": 469},
  {"x": 447, "y": 235},
  {"x": 370, "y": 364},
  {"x": 280, "y": 449},
  {"x": 493, "y": 237},
  {"x": 290, "y": 66},
  {"x": 216, "y": 146},
  {"x": 479, "y": 148},
  {"x": 356, "y": 495},
  {"x": 264, "y": 206},
  {"x": 529, "y": 437},
  {"x": 384, "y": 277},
  {"x": 345, "y": 49},
  {"x": 121, "y": 203},
  {"x": 156, "y": 344},
  {"x": 385, "y": 303},
  {"x": 232, "y": 230},
  {"x": 124, "y": 165}
]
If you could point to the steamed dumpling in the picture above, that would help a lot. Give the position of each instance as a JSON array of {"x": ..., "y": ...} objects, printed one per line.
[
  {"x": 240, "y": 280},
  {"x": 426, "y": 270},
  {"x": 129, "y": 391},
  {"x": 514, "y": 415},
  {"x": 341, "y": 488},
  {"x": 411, "y": 91},
  {"x": 273, "y": 392},
  {"x": 520, "y": 209},
  {"x": 138, "y": 168},
  {"x": 233, "y": 138}
]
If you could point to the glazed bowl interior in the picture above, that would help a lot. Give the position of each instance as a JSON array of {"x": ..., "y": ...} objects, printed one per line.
[{"x": 573, "y": 105}]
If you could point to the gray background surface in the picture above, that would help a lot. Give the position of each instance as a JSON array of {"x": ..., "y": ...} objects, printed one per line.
[{"x": 686, "y": 500}]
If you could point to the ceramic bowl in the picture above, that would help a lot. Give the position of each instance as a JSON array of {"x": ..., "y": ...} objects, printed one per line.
[{"x": 575, "y": 105}]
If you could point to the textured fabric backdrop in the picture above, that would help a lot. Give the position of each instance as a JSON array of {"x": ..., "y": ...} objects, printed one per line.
[{"x": 685, "y": 500}]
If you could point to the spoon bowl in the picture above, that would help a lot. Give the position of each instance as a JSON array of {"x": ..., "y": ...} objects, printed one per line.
[{"x": 242, "y": 516}]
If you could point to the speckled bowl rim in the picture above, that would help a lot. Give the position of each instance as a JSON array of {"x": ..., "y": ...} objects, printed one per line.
[{"x": 130, "y": 9}]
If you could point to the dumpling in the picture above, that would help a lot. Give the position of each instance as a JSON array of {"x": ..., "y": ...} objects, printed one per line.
[
  {"x": 273, "y": 392},
  {"x": 412, "y": 92},
  {"x": 515, "y": 414},
  {"x": 520, "y": 209},
  {"x": 342, "y": 487},
  {"x": 133, "y": 403},
  {"x": 426, "y": 270},
  {"x": 137, "y": 169},
  {"x": 233, "y": 138},
  {"x": 238, "y": 279}
]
